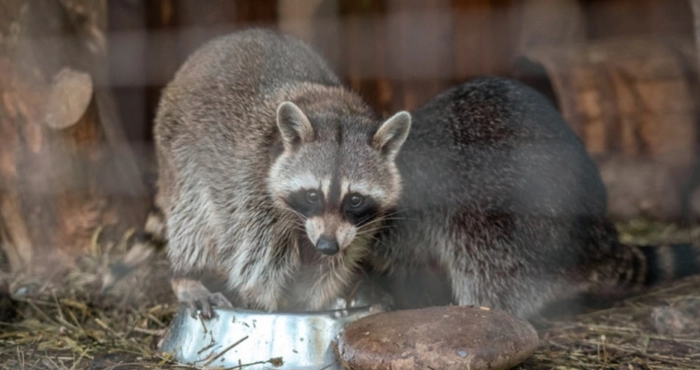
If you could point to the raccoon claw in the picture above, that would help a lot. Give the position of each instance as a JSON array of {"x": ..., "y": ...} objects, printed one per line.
[
  {"x": 218, "y": 299},
  {"x": 204, "y": 305}
]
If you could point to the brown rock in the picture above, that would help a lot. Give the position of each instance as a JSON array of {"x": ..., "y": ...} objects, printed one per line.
[{"x": 453, "y": 337}]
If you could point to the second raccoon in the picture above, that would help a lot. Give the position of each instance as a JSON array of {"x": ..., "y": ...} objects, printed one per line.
[{"x": 502, "y": 202}]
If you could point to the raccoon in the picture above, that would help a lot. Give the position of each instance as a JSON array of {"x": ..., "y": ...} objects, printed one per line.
[
  {"x": 270, "y": 171},
  {"x": 275, "y": 174},
  {"x": 502, "y": 206}
]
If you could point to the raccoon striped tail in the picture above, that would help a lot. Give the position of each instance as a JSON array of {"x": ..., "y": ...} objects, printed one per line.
[
  {"x": 146, "y": 243},
  {"x": 670, "y": 262},
  {"x": 633, "y": 268}
]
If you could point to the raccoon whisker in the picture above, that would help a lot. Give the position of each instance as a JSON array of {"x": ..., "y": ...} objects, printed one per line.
[
  {"x": 399, "y": 213},
  {"x": 371, "y": 239},
  {"x": 389, "y": 216},
  {"x": 298, "y": 214},
  {"x": 372, "y": 223},
  {"x": 395, "y": 212},
  {"x": 379, "y": 219},
  {"x": 374, "y": 240},
  {"x": 373, "y": 227},
  {"x": 398, "y": 219},
  {"x": 372, "y": 231},
  {"x": 392, "y": 214}
]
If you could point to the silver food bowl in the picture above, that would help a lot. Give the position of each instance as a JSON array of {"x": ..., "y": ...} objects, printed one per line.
[{"x": 264, "y": 340}]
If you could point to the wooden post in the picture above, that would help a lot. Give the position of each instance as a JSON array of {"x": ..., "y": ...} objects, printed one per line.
[{"x": 65, "y": 168}]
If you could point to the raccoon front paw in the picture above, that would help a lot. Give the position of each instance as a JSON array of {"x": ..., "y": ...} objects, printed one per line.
[
  {"x": 196, "y": 296},
  {"x": 204, "y": 304}
]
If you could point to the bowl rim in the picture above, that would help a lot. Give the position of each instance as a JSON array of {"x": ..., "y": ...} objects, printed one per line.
[{"x": 236, "y": 310}]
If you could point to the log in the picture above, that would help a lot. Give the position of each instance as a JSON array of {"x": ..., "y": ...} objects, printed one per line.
[
  {"x": 65, "y": 168},
  {"x": 630, "y": 98}
]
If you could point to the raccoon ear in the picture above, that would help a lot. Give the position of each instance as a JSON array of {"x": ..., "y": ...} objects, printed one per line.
[
  {"x": 293, "y": 125},
  {"x": 392, "y": 133}
]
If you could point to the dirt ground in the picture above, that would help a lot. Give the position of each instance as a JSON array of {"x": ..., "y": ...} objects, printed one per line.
[{"x": 70, "y": 325}]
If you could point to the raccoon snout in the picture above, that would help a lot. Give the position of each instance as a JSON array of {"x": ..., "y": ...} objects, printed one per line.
[{"x": 327, "y": 245}]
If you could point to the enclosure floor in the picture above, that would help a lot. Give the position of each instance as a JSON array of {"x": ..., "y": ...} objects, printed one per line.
[{"x": 69, "y": 325}]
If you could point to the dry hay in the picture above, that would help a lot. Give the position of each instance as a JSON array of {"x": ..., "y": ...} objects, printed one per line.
[
  {"x": 66, "y": 323},
  {"x": 70, "y": 325},
  {"x": 656, "y": 330}
]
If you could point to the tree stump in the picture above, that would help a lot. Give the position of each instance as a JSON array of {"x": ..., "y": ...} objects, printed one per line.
[{"x": 65, "y": 169}]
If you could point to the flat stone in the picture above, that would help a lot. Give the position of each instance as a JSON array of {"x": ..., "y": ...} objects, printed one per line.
[{"x": 449, "y": 337}]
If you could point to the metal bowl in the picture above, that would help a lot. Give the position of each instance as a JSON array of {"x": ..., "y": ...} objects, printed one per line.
[{"x": 264, "y": 340}]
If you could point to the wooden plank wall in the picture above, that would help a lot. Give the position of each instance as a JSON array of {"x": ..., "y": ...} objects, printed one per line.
[{"x": 399, "y": 53}]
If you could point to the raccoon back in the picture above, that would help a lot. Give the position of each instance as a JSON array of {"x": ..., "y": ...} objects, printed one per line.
[
  {"x": 230, "y": 88},
  {"x": 494, "y": 143}
]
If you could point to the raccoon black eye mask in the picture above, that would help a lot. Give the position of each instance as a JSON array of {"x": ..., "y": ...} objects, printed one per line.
[
  {"x": 326, "y": 158},
  {"x": 360, "y": 210},
  {"x": 305, "y": 202}
]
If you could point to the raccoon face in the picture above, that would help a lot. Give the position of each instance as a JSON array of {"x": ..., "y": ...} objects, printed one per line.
[{"x": 337, "y": 173}]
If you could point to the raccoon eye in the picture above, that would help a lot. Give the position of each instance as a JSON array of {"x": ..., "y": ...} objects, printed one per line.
[
  {"x": 312, "y": 196},
  {"x": 355, "y": 200}
]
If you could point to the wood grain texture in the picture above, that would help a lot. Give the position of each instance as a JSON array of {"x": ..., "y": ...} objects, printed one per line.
[
  {"x": 631, "y": 98},
  {"x": 58, "y": 185}
]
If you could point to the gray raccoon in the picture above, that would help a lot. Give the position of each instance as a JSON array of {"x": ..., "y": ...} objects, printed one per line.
[
  {"x": 502, "y": 204},
  {"x": 265, "y": 160}
]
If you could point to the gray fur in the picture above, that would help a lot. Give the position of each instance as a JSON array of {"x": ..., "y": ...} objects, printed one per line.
[
  {"x": 502, "y": 201},
  {"x": 248, "y": 119}
]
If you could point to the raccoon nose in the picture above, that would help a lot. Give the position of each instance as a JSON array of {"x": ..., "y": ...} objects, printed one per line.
[{"x": 327, "y": 245}]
